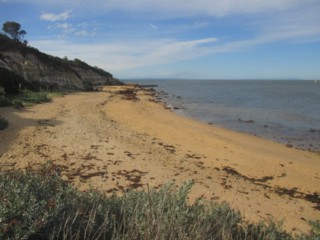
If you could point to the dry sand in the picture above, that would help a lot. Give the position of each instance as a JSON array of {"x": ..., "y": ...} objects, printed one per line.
[{"x": 115, "y": 141}]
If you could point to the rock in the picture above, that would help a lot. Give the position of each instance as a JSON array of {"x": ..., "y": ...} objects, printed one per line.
[
  {"x": 245, "y": 121},
  {"x": 48, "y": 72},
  {"x": 314, "y": 130}
]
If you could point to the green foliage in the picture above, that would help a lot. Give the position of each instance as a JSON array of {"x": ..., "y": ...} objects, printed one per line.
[
  {"x": 31, "y": 97},
  {"x": 4, "y": 102},
  {"x": 39, "y": 205},
  {"x": 3, "y": 123},
  {"x": 13, "y": 29},
  {"x": 17, "y": 103},
  {"x": 166, "y": 214},
  {"x": 26, "y": 98},
  {"x": 314, "y": 233}
]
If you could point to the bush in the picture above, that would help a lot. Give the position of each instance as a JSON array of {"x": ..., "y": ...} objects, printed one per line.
[
  {"x": 314, "y": 233},
  {"x": 4, "y": 102},
  {"x": 39, "y": 205},
  {"x": 34, "y": 97},
  {"x": 17, "y": 103},
  {"x": 3, "y": 123},
  {"x": 26, "y": 97}
]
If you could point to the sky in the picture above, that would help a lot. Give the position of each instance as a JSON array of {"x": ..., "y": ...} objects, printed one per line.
[{"x": 174, "y": 39}]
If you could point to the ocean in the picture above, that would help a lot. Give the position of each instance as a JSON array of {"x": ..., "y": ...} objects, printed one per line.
[{"x": 283, "y": 111}]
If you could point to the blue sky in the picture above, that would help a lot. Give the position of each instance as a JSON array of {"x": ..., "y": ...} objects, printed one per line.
[{"x": 197, "y": 39}]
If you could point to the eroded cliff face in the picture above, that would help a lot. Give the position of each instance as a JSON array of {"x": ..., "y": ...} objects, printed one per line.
[
  {"x": 88, "y": 75},
  {"x": 51, "y": 72},
  {"x": 33, "y": 70}
]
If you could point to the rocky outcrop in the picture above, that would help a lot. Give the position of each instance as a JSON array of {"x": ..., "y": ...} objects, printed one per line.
[{"x": 40, "y": 70}]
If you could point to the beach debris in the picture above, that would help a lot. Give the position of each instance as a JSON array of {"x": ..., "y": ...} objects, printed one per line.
[
  {"x": 94, "y": 174},
  {"x": 312, "y": 130},
  {"x": 194, "y": 156},
  {"x": 234, "y": 172},
  {"x": 293, "y": 192},
  {"x": 46, "y": 122},
  {"x": 245, "y": 121},
  {"x": 129, "y": 94}
]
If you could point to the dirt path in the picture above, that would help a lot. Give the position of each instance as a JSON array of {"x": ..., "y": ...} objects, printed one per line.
[{"x": 114, "y": 142}]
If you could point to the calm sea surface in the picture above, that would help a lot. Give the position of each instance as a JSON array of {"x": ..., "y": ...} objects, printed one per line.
[{"x": 284, "y": 111}]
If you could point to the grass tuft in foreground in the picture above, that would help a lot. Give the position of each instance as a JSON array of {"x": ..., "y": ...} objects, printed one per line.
[{"x": 39, "y": 205}]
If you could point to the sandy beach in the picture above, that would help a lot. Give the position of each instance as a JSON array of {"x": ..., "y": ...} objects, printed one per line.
[{"x": 121, "y": 138}]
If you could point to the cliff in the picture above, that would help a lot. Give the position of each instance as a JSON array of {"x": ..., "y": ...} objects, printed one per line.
[{"x": 23, "y": 66}]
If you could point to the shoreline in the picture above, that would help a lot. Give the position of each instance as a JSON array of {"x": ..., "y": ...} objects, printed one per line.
[
  {"x": 123, "y": 138},
  {"x": 207, "y": 109}
]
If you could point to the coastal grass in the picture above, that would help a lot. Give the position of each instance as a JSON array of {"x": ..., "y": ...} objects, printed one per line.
[
  {"x": 28, "y": 98},
  {"x": 39, "y": 205}
]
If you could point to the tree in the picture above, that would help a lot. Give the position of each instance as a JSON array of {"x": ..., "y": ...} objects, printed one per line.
[{"x": 13, "y": 29}]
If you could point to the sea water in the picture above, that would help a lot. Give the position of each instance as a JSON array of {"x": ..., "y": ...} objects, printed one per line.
[{"x": 283, "y": 111}]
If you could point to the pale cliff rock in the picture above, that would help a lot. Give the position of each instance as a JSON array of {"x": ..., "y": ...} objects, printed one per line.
[{"x": 47, "y": 71}]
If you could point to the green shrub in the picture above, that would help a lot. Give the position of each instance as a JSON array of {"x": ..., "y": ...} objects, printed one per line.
[
  {"x": 34, "y": 97},
  {"x": 26, "y": 97},
  {"x": 4, "y": 102},
  {"x": 314, "y": 233},
  {"x": 3, "y": 123},
  {"x": 166, "y": 214},
  {"x": 17, "y": 103},
  {"x": 39, "y": 205}
]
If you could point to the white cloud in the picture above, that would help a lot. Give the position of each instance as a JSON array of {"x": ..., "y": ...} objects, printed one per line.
[
  {"x": 64, "y": 26},
  {"x": 265, "y": 22},
  {"x": 182, "y": 7},
  {"x": 80, "y": 30},
  {"x": 83, "y": 33},
  {"x": 67, "y": 28},
  {"x": 261, "y": 15},
  {"x": 124, "y": 55},
  {"x": 56, "y": 17},
  {"x": 171, "y": 8},
  {"x": 153, "y": 26}
]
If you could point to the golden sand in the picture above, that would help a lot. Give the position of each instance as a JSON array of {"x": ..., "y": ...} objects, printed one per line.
[{"x": 115, "y": 141}]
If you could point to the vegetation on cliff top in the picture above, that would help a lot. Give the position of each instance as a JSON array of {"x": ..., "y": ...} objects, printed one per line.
[
  {"x": 7, "y": 44},
  {"x": 11, "y": 41},
  {"x": 13, "y": 29}
]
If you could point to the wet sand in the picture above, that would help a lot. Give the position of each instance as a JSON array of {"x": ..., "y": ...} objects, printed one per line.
[{"x": 122, "y": 138}]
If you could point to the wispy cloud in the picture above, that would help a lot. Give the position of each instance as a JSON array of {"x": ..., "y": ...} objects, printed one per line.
[
  {"x": 56, "y": 17},
  {"x": 262, "y": 15},
  {"x": 68, "y": 29},
  {"x": 153, "y": 26},
  {"x": 157, "y": 32},
  {"x": 83, "y": 33},
  {"x": 182, "y": 7},
  {"x": 124, "y": 55}
]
